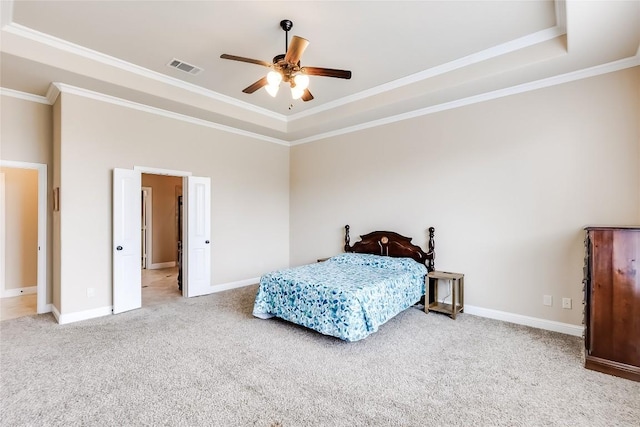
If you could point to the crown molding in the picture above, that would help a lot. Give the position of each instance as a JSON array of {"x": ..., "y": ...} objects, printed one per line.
[
  {"x": 597, "y": 70},
  {"x": 85, "y": 93},
  {"x": 56, "y": 88},
  {"x": 52, "y": 93},
  {"x": 474, "y": 58},
  {"x": 526, "y": 41},
  {"x": 6, "y": 12},
  {"x": 66, "y": 46},
  {"x": 24, "y": 96}
]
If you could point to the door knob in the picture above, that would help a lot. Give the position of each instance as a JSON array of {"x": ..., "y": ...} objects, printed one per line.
[
  {"x": 207, "y": 242},
  {"x": 118, "y": 248}
]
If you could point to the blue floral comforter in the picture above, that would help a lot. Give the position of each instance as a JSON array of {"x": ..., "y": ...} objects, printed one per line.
[{"x": 348, "y": 296}]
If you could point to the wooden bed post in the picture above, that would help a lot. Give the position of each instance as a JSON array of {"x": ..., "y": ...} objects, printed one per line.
[
  {"x": 347, "y": 240},
  {"x": 432, "y": 250}
]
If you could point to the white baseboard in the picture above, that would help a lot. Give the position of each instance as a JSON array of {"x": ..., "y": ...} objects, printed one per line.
[
  {"x": 10, "y": 293},
  {"x": 80, "y": 315},
  {"x": 234, "y": 285},
  {"x": 549, "y": 325},
  {"x": 48, "y": 308},
  {"x": 106, "y": 311},
  {"x": 160, "y": 265}
]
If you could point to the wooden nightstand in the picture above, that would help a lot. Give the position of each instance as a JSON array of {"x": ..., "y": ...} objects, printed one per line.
[{"x": 457, "y": 293}]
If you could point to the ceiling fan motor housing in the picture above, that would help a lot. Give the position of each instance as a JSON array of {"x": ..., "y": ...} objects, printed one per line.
[{"x": 285, "y": 68}]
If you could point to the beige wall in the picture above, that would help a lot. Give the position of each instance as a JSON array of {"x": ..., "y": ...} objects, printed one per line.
[
  {"x": 21, "y": 227},
  {"x": 25, "y": 131},
  {"x": 165, "y": 190},
  {"x": 249, "y": 194},
  {"x": 508, "y": 185},
  {"x": 26, "y": 136}
]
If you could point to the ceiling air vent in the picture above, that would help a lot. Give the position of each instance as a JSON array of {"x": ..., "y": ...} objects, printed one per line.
[{"x": 183, "y": 66}]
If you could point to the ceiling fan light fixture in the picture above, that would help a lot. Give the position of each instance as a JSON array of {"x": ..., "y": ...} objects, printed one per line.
[
  {"x": 297, "y": 92},
  {"x": 272, "y": 90},
  {"x": 274, "y": 78},
  {"x": 301, "y": 81}
]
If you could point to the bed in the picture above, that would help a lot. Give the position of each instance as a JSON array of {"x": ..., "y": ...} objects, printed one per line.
[{"x": 349, "y": 296}]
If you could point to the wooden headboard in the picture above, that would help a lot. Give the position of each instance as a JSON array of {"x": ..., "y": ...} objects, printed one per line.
[{"x": 389, "y": 243}]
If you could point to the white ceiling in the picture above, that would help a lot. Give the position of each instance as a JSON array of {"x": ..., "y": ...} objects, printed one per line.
[{"x": 407, "y": 58}]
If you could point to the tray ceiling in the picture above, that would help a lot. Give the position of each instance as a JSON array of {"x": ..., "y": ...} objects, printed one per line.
[{"x": 407, "y": 58}]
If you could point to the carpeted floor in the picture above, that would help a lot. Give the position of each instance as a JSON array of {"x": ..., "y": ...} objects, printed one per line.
[{"x": 207, "y": 361}]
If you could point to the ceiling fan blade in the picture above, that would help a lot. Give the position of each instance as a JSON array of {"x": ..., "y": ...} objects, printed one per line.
[
  {"x": 326, "y": 72},
  {"x": 297, "y": 47},
  {"x": 306, "y": 96},
  {"x": 257, "y": 85},
  {"x": 243, "y": 59}
]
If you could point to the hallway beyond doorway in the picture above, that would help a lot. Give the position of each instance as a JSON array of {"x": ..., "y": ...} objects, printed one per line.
[{"x": 160, "y": 286}]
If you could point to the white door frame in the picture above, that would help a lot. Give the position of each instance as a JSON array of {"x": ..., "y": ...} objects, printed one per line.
[
  {"x": 41, "y": 287},
  {"x": 148, "y": 217},
  {"x": 3, "y": 264}
]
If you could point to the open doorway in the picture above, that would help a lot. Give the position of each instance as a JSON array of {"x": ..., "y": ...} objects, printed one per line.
[
  {"x": 195, "y": 262},
  {"x": 160, "y": 238},
  {"x": 23, "y": 213}
]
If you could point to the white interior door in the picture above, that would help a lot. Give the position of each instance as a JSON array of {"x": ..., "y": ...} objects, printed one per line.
[
  {"x": 127, "y": 274},
  {"x": 197, "y": 263}
]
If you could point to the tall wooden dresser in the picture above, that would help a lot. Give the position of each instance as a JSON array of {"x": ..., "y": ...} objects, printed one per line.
[{"x": 612, "y": 301}]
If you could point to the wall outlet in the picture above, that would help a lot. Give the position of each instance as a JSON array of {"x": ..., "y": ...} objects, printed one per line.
[
  {"x": 566, "y": 303},
  {"x": 547, "y": 300},
  {"x": 91, "y": 292}
]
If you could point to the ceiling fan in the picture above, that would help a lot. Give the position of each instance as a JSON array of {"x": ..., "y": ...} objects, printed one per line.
[{"x": 286, "y": 68}]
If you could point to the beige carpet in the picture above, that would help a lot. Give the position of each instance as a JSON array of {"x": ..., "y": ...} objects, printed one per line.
[{"x": 207, "y": 361}]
